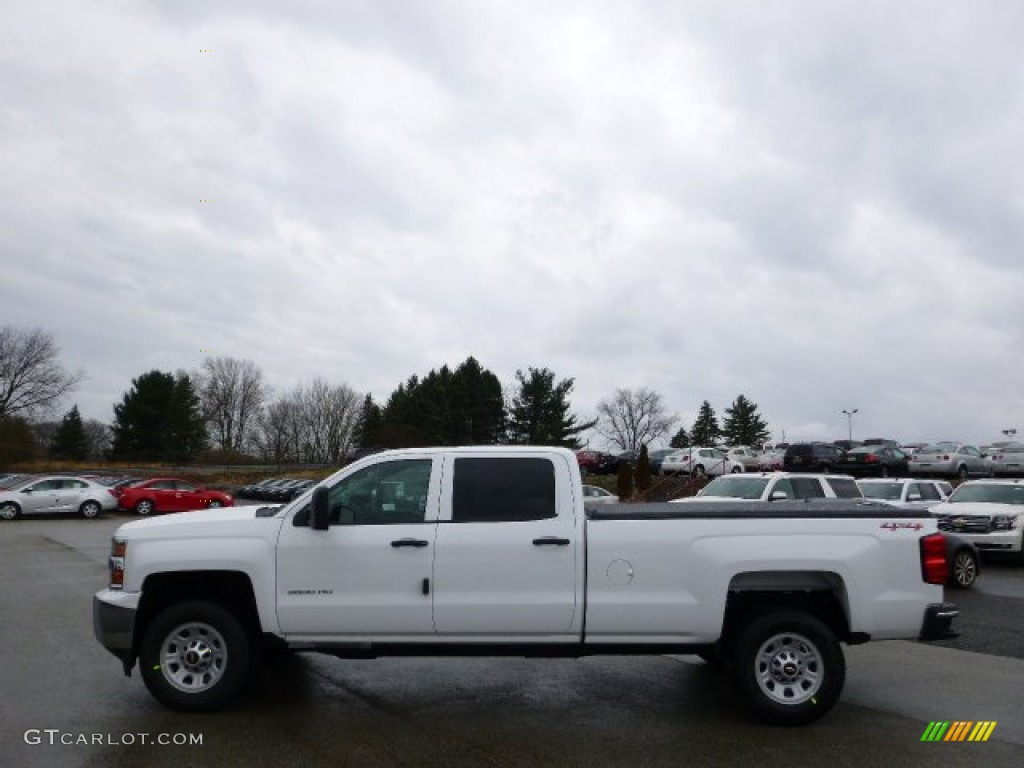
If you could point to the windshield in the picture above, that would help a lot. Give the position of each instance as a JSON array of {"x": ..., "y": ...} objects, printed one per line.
[
  {"x": 939, "y": 448},
  {"x": 882, "y": 491},
  {"x": 991, "y": 493},
  {"x": 736, "y": 487}
]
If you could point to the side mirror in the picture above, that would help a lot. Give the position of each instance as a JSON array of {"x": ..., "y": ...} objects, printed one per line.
[{"x": 320, "y": 508}]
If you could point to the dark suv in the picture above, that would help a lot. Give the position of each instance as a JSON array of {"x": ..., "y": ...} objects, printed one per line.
[{"x": 811, "y": 457}]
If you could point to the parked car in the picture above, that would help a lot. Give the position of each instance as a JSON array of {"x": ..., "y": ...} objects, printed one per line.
[
  {"x": 811, "y": 457},
  {"x": 290, "y": 490},
  {"x": 266, "y": 491},
  {"x": 746, "y": 456},
  {"x": 252, "y": 490},
  {"x": 699, "y": 461},
  {"x": 912, "y": 493},
  {"x": 658, "y": 456},
  {"x": 771, "y": 461},
  {"x": 168, "y": 494},
  {"x": 1008, "y": 461},
  {"x": 874, "y": 461},
  {"x": 988, "y": 513},
  {"x": 49, "y": 495},
  {"x": 950, "y": 459},
  {"x": 595, "y": 494},
  {"x": 597, "y": 463},
  {"x": 778, "y": 486}
]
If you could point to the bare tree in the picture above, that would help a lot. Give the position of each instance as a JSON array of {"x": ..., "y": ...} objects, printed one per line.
[
  {"x": 278, "y": 431},
  {"x": 329, "y": 416},
  {"x": 631, "y": 419},
  {"x": 232, "y": 393},
  {"x": 315, "y": 423},
  {"x": 98, "y": 437},
  {"x": 31, "y": 378}
]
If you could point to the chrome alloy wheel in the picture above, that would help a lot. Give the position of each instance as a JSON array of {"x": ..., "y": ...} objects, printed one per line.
[
  {"x": 789, "y": 668},
  {"x": 193, "y": 657},
  {"x": 965, "y": 569}
]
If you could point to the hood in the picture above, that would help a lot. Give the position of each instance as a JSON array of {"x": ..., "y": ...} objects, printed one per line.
[
  {"x": 976, "y": 508},
  {"x": 225, "y": 521}
]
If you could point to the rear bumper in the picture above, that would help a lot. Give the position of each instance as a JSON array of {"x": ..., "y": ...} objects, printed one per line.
[{"x": 938, "y": 622}]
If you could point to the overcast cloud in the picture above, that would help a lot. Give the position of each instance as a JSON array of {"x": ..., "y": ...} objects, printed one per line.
[{"x": 817, "y": 205}]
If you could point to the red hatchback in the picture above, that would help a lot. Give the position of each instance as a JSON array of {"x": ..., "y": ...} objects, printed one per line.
[{"x": 166, "y": 494}]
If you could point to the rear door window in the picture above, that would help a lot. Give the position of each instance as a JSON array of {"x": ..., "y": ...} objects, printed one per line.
[
  {"x": 807, "y": 488},
  {"x": 492, "y": 490},
  {"x": 845, "y": 487}
]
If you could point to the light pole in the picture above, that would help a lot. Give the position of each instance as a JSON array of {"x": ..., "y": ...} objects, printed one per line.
[{"x": 849, "y": 423}]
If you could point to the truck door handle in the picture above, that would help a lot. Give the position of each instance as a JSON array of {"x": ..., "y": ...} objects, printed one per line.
[
  {"x": 551, "y": 541},
  {"x": 409, "y": 543}
]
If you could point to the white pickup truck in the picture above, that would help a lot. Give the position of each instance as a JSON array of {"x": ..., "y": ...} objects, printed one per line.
[{"x": 490, "y": 551}]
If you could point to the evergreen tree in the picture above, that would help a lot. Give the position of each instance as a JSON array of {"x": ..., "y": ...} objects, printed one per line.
[
  {"x": 624, "y": 481},
  {"x": 70, "y": 441},
  {"x": 464, "y": 407},
  {"x": 368, "y": 432},
  {"x": 642, "y": 471},
  {"x": 680, "y": 439},
  {"x": 743, "y": 425},
  {"x": 705, "y": 429},
  {"x": 540, "y": 411},
  {"x": 159, "y": 419}
]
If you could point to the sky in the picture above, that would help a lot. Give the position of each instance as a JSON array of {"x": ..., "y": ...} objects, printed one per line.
[{"x": 817, "y": 205}]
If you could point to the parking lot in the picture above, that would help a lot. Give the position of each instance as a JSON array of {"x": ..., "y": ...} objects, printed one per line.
[{"x": 66, "y": 702}]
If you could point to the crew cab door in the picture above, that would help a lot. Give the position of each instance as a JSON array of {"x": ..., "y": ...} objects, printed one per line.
[
  {"x": 509, "y": 550},
  {"x": 369, "y": 573}
]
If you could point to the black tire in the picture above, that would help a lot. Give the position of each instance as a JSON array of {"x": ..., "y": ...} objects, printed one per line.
[
  {"x": 195, "y": 656},
  {"x": 90, "y": 509},
  {"x": 698, "y": 471},
  {"x": 884, "y": 472},
  {"x": 963, "y": 570},
  {"x": 145, "y": 507},
  {"x": 789, "y": 668},
  {"x": 215, "y": 504},
  {"x": 735, "y": 470},
  {"x": 961, "y": 472},
  {"x": 9, "y": 511}
]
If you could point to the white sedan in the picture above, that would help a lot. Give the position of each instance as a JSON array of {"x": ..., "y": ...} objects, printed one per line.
[
  {"x": 699, "y": 461},
  {"x": 48, "y": 495},
  {"x": 594, "y": 494}
]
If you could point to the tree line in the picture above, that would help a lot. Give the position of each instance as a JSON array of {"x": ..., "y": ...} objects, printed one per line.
[{"x": 225, "y": 411}]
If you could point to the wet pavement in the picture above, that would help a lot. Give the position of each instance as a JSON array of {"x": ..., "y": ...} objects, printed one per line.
[{"x": 65, "y": 702}]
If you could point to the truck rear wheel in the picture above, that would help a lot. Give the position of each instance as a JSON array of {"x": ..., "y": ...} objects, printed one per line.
[
  {"x": 194, "y": 656},
  {"x": 789, "y": 667}
]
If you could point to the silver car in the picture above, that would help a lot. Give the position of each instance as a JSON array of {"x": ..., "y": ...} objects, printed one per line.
[
  {"x": 49, "y": 495},
  {"x": 1008, "y": 461},
  {"x": 951, "y": 460}
]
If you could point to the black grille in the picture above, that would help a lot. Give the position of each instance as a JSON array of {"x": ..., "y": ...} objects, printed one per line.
[{"x": 964, "y": 524}]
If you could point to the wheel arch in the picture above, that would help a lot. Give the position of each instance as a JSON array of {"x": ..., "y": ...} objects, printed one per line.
[
  {"x": 821, "y": 594},
  {"x": 231, "y": 590}
]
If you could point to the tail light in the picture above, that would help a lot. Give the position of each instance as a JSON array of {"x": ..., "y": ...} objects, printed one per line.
[
  {"x": 934, "y": 562},
  {"x": 871, "y": 457}
]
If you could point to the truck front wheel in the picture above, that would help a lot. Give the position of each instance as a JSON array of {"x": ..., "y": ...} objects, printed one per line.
[
  {"x": 790, "y": 668},
  {"x": 194, "y": 656}
]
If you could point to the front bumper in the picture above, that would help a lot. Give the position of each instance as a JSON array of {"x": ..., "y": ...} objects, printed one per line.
[
  {"x": 113, "y": 622},
  {"x": 938, "y": 622},
  {"x": 996, "y": 541}
]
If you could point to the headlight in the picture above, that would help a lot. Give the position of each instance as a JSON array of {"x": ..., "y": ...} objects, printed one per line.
[
  {"x": 1005, "y": 522},
  {"x": 118, "y": 552}
]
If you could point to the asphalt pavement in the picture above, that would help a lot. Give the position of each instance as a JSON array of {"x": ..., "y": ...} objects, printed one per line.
[{"x": 65, "y": 701}]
